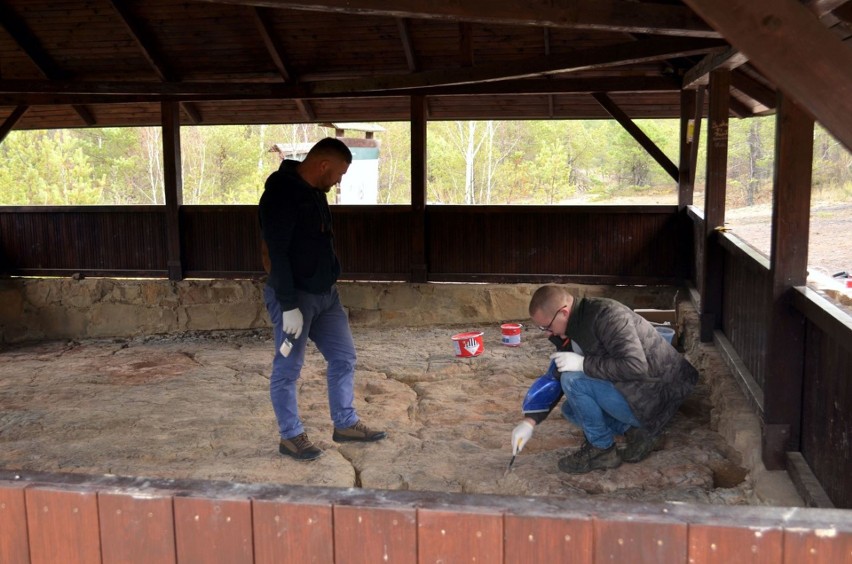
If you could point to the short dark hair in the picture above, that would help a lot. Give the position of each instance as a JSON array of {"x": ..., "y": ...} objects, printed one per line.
[
  {"x": 331, "y": 146},
  {"x": 548, "y": 298}
]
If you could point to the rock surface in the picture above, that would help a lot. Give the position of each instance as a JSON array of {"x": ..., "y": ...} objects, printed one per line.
[{"x": 196, "y": 406}]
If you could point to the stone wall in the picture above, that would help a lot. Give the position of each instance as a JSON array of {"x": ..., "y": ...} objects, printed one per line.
[{"x": 65, "y": 308}]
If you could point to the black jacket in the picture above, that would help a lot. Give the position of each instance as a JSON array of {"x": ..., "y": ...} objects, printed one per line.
[
  {"x": 296, "y": 224},
  {"x": 621, "y": 346}
]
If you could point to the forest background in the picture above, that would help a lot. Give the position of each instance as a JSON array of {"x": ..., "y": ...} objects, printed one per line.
[{"x": 470, "y": 162}]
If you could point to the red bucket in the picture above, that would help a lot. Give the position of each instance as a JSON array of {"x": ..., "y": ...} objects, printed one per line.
[
  {"x": 511, "y": 334},
  {"x": 468, "y": 344}
]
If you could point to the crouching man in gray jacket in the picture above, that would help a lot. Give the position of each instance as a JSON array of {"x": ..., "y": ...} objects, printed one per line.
[{"x": 618, "y": 374}]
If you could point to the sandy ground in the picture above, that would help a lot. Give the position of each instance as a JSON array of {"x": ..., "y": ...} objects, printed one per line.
[{"x": 196, "y": 406}]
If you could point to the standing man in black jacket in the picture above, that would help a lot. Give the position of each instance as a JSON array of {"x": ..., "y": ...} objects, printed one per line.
[
  {"x": 301, "y": 296},
  {"x": 618, "y": 374}
]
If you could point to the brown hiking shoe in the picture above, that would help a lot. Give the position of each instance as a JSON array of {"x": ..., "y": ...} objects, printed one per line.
[
  {"x": 299, "y": 447},
  {"x": 357, "y": 433},
  {"x": 589, "y": 458},
  {"x": 640, "y": 443}
]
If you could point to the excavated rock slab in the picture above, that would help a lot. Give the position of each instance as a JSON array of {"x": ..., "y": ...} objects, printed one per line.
[{"x": 197, "y": 406}]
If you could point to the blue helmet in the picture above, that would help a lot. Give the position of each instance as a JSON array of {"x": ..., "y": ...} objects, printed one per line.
[{"x": 544, "y": 393}]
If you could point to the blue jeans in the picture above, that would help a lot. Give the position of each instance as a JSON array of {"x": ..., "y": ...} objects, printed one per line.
[
  {"x": 596, "y": 407},
  {"x": 326, "y": 324}
]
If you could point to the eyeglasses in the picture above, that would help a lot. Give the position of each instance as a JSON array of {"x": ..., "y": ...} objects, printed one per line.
[{"x": 547, "y": 328}]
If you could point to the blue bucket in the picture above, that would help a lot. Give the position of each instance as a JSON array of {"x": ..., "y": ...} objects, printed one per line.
[{"x": 666, "y": 332}]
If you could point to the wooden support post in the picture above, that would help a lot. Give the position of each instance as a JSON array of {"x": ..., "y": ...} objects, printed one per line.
[
  {"x": 418, "y": 189},
  {"x": 714, "y": 203},
  {"x": 696, "y": 134},
  {"x": 791, "y": 200},
  {"x": 685, "y": 238},
  {"x": 687, "y": 140},
  {"x": 173, "y": 185}
]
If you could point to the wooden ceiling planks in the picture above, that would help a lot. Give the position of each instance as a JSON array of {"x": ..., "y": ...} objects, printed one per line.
[{"x": 333, "y": 46}]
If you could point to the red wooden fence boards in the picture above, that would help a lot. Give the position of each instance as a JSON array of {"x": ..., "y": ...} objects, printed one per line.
[{"x": 66, "y": 518}]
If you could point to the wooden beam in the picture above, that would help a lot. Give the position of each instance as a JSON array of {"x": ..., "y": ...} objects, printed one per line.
[
  {"x": 794, "y": 51},
  {"x": 753, "y": 89},
  {"x": 725, "y": 58},
  {"x": 685, "y": 186},
  {"x": 144, "y": 41},
  {"x": 9, "y": 122},
  {"x": 598, "y": 15},
  {"x": 405, "y": 37},
  {"x": 84, "y": 114},
  {"x": 739, "y": 109},
  {"x": 419, "y": 267},
  {"x": 714, "y": 204},
  {"x": 146, "y": 44},
  {"x": 20, "y": 32},
  {"x": 791, "y": 201},
  {"x": 173, "y": 186},
  {"x": 823, "y": 7},
  {"x": 637, "y": 133},
  {"x": 261, "y": 19},
  {"x": 592, "y": 58},
  {"x": 699, "y": 114},
  {"x": 52, "y": 93},
  {"x": 191, "y": 110}
]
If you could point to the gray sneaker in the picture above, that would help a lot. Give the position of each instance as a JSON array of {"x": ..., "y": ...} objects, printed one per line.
[
  {"x": 299, "y": 447},
  {"x": 640, "y": 443},
  {"x": 357, "y": 433},
  {"x": 590, "y": 457}
]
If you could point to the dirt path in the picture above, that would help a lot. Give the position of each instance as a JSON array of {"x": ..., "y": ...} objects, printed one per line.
[{"x": 829, "y": 242}]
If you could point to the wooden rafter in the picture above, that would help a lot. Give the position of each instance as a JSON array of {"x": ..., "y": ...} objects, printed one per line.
[
  {"x": 9, "y": 123},
  {"x": 146, "y": 43},
  {"x": 20, "y": 32},
  {"x": 793, "y": 50},
  {"x": 596, "y": 57},
  {"x": 276, "y": 52},
  {"x": 51, "y": 93},
  {"x": 404, "y": 28},
  {"x": 636, "y": 132},
  {"x": 599, "y": 15},
  {"x": 823, "y": 7},
  {"x": 753, "y": 89},
  {"x": 699, "y": 75}
]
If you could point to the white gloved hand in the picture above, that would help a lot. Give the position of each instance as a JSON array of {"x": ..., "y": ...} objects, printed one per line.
[
  {"x": 520, "y": 435},
  {"x": 568, "y": 361},
  {"x": 292, "y": 322}
]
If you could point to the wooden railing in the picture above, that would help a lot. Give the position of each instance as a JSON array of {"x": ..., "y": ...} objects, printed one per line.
[
  {"x": 596, "y": 244},
  {"x": 827, "y": 395},
  {"x": 49, "y": 518},
  {"x": 745, "y": 303},
  {"x": 825, "y": 409}
]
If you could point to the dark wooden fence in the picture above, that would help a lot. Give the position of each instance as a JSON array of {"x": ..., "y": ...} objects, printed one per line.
[
  {"x": 826, "y": 399},
  {"x": 827, "y": 395},
  {"x": 606, "y": 244},
  {"x": 745, "y": 303},
  {"x": 49, "y": 518}
]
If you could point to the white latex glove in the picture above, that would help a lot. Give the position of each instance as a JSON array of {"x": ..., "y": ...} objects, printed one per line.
[
  {"x": 568, "y": 361},
  {"x": 292, "y": 321},
  {"x": 520, "y": 435}
]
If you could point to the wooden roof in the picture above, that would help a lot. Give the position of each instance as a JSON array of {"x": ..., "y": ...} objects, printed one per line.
[{"x": 78, "y": 63}]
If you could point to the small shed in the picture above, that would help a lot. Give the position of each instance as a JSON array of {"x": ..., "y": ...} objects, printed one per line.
[{"x": 360, "y": 184}]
